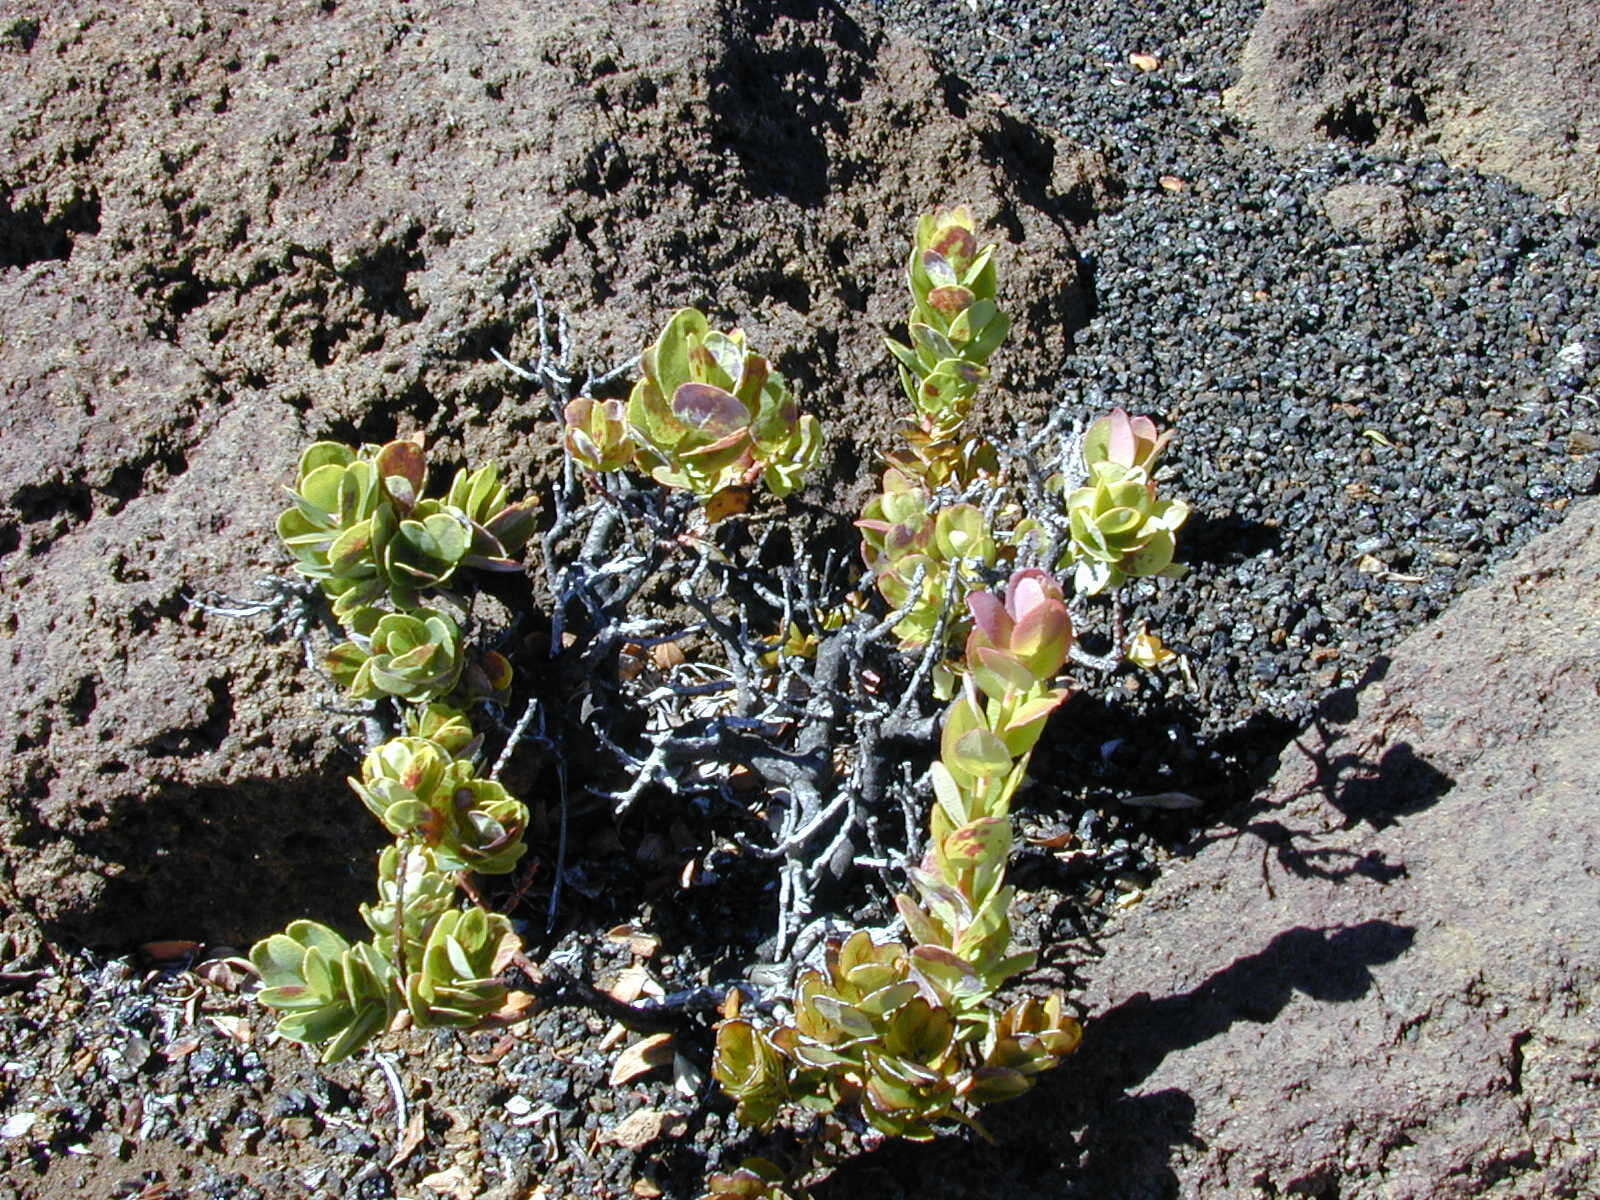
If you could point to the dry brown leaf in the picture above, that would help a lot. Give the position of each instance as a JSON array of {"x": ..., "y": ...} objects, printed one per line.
[
  {"x": 498, "y": 1051},
  {"x": 414, "y": 1134},
  {"x": 634, "y": 982},
  {"x": 613, "y": 1037},
  {"x": 180, "y": 1050},
  {"x": 229, "y": 974},
  {"x": 646, "y": 1189},
  {"x": 641, "y": 1058},
  {"x": 642, "y": 944},
  {"x": 462, "y": 1131},
  {"x": 1145, "y": 62},
  {"x": 667, "y": 655},
  {"x": 630, "y": 661},
  {"x": 452, "y": 1181},
  {"x": 1056, "y": 839},
  {"x": 173, "y": 950},
  {"x": 235, "y": 1027},
  {"x": 1173, "y": 183},
  {"x": 637, "y": 1130}
]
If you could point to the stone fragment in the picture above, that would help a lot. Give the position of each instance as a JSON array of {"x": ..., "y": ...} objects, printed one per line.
[{"x": 1373, "y": 212}]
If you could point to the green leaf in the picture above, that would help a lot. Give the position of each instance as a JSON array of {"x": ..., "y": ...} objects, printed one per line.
[
  {"x": 277, "y": 960},
  {"x": 920, "y": 1032},
  {"x": 998, "y": 673},
  {"x": 362, "y": 1029},
  {"x": 320, "y": 454},
  {"x": 1153, "y": 557},
  {"x": 990, "y": 1085},
  {"x": 314, "y": 1027},
  {"x": 986, "y": 839},
  {"x": 981, "y": 754},
  {"x": 318, "y": 496},
  {"x": 1026, "y": 723},
  {"x": 312, "y": 935},
  {"x": 686, "y": 328},
  {"x": 723, "y": 364},
  {"x": 949, "y": 795},
  {"x": 848, "y": 1018},
  {"x": 888, "y": 998}
]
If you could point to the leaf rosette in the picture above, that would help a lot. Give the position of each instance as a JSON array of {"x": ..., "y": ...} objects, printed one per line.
[
  {"x": 708, "y": 414},
  {"x": 327, "y": 992},
  {"x": 416, "y": 789}
]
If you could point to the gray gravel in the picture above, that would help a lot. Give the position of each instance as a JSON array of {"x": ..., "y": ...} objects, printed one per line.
[{"x": 1364, "y": 427}]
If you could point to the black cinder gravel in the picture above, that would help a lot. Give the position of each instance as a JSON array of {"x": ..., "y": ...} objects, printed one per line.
[{"x": 1363, "y": 428}]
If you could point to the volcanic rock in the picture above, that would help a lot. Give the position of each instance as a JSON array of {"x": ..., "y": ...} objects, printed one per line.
[
  {"x": 1380, "y": 979},
  {"x": 1515, "y": 95}
]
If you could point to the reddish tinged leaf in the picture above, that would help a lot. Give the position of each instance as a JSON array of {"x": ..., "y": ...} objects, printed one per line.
[
  {"x": 726, "y": 442},
  {"x": 513, "y": 525},
  {"x": 991, "y": 618},
  {"x": 350, "y": 547},
  {"x": 997, "y": 673},
  {"x": 700, "y": 356},
  {"x": 956, "y": 243},
  {"x": 710, "y": 410},
  {"x": 403, "y": 466},
  {"x": 496, "y": 669},
  {"x": 1120, "y": 443},
  {"x": 412, "y": 776},
  {"x": 950, "y": 300}
]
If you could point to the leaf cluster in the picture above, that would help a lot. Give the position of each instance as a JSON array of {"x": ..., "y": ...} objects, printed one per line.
[
  {"x": 955, "y": 323},
  {"x": 428, "y": 963},
  {"x": 1121, "y": 528},
  {"x": 908, "y": 1035},
  {"x": 707, "y": 415},
  {"x": 361, "y": 526}
]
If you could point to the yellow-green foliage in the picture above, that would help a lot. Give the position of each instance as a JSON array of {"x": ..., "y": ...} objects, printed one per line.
[
  {"x": 707, "y": 414},
  {"x": 908, "y": 1033}
]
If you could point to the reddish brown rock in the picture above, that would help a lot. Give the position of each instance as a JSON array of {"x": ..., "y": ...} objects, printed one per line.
[
  {"x": 1505, "y": 89},
  {"x": 1381, "y": 981},
  {"x": 230, "y": 229}
]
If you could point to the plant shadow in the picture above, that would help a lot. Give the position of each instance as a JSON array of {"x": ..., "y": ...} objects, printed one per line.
[{"x": 1356, "y": 781}]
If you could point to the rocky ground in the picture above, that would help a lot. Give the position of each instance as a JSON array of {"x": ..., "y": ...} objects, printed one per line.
[{"x": 224, "y": 234}]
